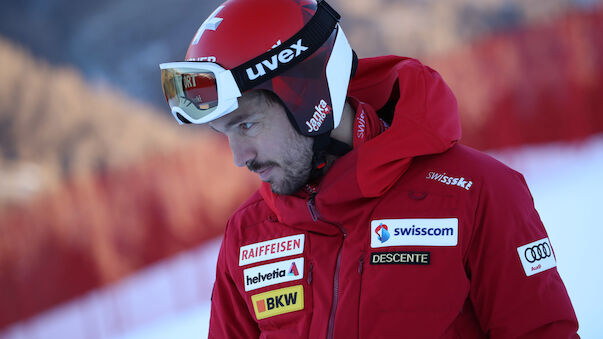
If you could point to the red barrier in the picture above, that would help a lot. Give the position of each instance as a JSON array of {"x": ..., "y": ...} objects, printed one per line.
[
  {"x": 96, "y": 230},
  {"x": 536, "y": 84}
]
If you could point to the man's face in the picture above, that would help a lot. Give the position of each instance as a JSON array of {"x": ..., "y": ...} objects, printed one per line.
[{"x": 262, "y": 138}]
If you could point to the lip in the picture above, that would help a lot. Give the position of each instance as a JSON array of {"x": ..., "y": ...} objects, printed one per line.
[{"x": 264, "y": 173}]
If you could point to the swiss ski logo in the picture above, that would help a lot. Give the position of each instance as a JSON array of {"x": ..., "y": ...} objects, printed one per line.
[
  {"x": 283, "y": 57},
  {"x": 210, "y": 23},
  {"x": 450, "y": 180}
]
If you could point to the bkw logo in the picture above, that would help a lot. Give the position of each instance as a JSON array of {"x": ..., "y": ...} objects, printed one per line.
[
  {"x": 276, "y": 302},
  {"x": 283, "y": 300}
]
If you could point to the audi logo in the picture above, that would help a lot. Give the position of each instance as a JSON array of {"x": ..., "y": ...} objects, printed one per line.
[{"x": 538, "y": 252}]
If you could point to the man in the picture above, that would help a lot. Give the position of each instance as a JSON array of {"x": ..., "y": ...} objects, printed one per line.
[{"x": 371, "y": 221}]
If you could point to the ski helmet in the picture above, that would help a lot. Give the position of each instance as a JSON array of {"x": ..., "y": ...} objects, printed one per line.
[{"x": 293, "y": 48}]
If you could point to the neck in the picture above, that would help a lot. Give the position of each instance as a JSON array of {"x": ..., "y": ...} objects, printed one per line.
[{"x": 343, "y": 132}]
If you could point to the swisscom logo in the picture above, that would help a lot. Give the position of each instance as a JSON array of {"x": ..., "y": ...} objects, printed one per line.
[
  {"x": 382, "y": 232},
  {"x": 414, "y": 232},
  {"x": 272, "y": 274}
]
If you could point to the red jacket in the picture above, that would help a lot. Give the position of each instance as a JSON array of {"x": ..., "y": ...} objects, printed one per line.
[{"x": 410, "y": 235}]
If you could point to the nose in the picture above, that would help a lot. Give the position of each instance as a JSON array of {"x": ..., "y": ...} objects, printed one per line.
[{"x": 242, "y": 151}]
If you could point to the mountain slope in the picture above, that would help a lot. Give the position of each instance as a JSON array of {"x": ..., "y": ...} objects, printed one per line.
[{"x": 95, "y": 186}]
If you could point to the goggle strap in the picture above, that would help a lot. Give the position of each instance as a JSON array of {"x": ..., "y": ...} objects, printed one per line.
[{"x": 318, "y": 29}]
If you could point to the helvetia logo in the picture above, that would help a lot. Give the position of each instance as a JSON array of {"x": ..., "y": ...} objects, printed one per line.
[
  {"x": 318, "y": 118},
  {"x": 274, "y": 273},
  {"x": 280, "y": 301},
  {"x": 382, "y": 232},
  {"x": 283, "y": 57},
  {"x": 293, "y": 270}
]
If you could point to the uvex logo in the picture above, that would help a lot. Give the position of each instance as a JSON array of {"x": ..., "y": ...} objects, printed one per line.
[
  {"x": 283, "y": 57},
  {"x": 320, "y": 114}
]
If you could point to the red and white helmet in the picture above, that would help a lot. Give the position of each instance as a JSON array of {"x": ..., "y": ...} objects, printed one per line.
[{"x": 294, "y": 48}]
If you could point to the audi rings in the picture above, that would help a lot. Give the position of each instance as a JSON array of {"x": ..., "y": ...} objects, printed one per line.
[{"x": 538, "y": 252}]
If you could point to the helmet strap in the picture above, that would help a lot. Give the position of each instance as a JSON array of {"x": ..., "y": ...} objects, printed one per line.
[
  {"x": 313, "y": 35},
  {"x": 323, "y": 146}
]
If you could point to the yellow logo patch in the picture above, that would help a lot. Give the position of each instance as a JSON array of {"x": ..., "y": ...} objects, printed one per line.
[{"x": 275, "y": 302}]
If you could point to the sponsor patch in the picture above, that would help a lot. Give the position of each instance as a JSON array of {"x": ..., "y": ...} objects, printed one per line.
[
  {"x": 401, "y": 258},
  {"x": 414, "y": 232},
  {"x": 320, "y": 114},
  {"x": 205, "y": 58},
  {"x": 276, "y": 302},
  {"x": 450, "y": 180},
  {"x": 537, "y": 256},
  {"x": 271, "y": 249},
  {"x": 272, "y": 274},
  {"x": 272, "y": 63}
]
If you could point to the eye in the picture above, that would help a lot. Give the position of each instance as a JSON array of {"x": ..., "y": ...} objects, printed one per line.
[{"x": 246, "y": 125}]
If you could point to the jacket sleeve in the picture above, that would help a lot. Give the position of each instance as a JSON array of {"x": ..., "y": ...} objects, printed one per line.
[
  {"x": 508, "y": 302},
  {"x": 230, "y": 317}
]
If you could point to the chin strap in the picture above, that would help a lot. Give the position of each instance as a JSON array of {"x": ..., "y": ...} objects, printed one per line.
[{"x": 325, "y": 145}]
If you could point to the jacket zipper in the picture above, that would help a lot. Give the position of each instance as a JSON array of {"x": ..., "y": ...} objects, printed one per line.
[
  {"x": 316, "y": 216},
  {"x": 331, "y": 327},
  {"x": 360, "y": 270},
  {"x": 312, "y": 208},
  {"x": 361, "y": 264}
]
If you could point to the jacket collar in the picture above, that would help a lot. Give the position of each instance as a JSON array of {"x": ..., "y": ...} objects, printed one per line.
[{"x": 425, "y": 121}]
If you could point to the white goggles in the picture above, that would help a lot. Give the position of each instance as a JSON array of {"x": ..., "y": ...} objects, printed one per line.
[{"x": 199, "y": 92}]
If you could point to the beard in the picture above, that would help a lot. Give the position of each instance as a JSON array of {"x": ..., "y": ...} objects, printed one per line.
[{"x": 295, "y": 166}]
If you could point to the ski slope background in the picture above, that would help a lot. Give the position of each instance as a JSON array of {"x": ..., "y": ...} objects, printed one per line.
[{"x": 172, "y": 298}]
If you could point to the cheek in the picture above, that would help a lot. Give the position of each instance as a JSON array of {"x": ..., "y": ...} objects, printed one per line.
[{"x": 299, "y": 150}]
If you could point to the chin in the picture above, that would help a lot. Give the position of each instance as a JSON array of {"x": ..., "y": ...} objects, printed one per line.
[{"x": 279, "y": 189}]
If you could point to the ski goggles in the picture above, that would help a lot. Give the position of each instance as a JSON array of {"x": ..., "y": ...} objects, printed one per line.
[{"x": 199, "y": 92}]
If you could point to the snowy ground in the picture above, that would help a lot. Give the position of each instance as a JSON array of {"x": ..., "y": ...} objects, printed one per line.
[
  {"x": 566, "y": 181},
  {"x": 171, "y": 299}
]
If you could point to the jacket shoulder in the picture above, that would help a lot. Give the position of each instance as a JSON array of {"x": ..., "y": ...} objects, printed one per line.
[
  {"x": 242, "y": 225},
  {"x": 478, "y": 167},
  {"x": 252, "y": 211}
]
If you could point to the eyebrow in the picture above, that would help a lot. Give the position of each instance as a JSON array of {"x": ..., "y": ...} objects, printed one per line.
[{"x": 236, "y": 120}]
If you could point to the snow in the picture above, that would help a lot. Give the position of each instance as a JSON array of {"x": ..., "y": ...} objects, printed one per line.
[
  {"x": 566, "y": 181},
  {"x": 172, "y": 299}
]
